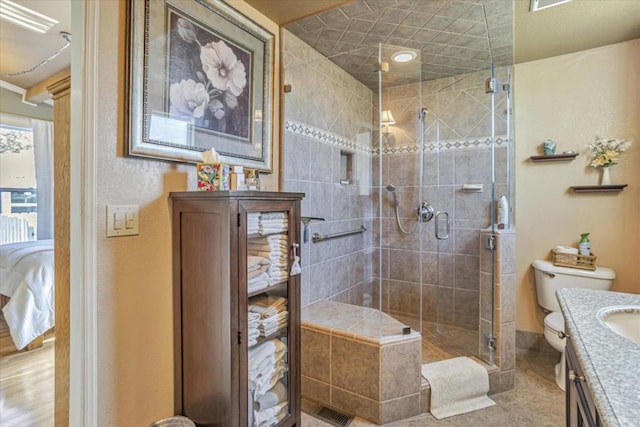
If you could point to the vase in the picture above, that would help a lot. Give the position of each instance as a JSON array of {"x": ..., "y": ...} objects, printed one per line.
[{"x": 605, "y": 178}]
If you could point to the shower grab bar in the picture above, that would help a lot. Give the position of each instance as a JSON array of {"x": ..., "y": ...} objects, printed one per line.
[{"x": 317, "y": 237}]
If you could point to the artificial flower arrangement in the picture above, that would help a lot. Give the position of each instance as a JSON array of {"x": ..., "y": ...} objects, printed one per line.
[{"x": 606, "y": 152}]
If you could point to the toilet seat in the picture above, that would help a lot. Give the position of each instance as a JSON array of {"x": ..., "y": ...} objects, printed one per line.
[{"x": 554, "y": 321}]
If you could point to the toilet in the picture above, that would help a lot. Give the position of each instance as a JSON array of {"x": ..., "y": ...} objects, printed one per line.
[{"x": 549, "y": 278}]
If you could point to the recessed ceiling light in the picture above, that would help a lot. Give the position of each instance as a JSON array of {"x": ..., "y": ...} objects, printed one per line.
[
  {"x": 25, "y": 17},
  {"x": 404, "y": 56}
]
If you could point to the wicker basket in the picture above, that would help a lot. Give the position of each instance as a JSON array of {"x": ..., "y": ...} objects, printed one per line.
[{"x": 564, "y": 259}]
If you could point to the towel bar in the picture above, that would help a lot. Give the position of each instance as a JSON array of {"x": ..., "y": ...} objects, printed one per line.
[{"x": 321, "y": 237}]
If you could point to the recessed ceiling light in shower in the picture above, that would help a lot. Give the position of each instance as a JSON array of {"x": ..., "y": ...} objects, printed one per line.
[{"x": 404, "y": 56}]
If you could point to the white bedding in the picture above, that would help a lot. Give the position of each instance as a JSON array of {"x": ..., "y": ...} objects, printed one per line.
[{"x": 27, "y": 276}]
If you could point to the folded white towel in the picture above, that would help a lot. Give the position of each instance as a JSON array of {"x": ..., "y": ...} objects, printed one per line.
[
  {"x": 263, "y": 351},
  {"x": 277, "y": 270},
  {"x": 274, "y": 224},
  {"x": 270, "y": 416},
  {"x": 261, "y": 277},
  {"x": 274, "y": 238},
  {"x": 267, "y": 231},
  {"x": 266, "y": 382},
  {"x": 567, "y": 249},
  {"x": 276, "y": 395},
  {"x": 258, "y": 283},
  {"x": 267, "y": 306},
  {"x": 273, "y": 215},
  {"x": 280, "y": 248},
  {"x": 257, "y": 287},
  {"x": 255, "y": 273},
  {"x": 271, "y": 257},
  {"x": 254, "y": 262}
]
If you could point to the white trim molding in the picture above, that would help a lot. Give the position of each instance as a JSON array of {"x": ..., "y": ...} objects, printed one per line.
[{"x": 83, "y": 381}]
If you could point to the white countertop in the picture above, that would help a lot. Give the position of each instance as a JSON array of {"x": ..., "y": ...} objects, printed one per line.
[{"x": 611, "y": 363}]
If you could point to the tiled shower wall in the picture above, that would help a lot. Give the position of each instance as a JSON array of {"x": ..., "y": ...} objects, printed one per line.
[
  {"x": 328, "y": 112},
  {"x": 460, "y": 119}
]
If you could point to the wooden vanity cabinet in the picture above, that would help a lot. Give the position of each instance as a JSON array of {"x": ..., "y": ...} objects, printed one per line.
[
  {"x": 216, "y": 351},
  {"x": 580, "y": 408}
]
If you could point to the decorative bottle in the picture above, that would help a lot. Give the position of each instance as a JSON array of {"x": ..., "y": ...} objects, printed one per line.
[{"x": 584, "y": 247}]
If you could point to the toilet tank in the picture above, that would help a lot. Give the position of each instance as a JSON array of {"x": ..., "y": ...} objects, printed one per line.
[{"x": 549, "y": 278}]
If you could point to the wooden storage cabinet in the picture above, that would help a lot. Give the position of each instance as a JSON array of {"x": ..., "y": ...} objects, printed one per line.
[
  {"x": 580, "y": 408},
  {"x": 231, "y": 288}
]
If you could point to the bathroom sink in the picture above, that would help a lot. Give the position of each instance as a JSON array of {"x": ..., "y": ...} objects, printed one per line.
[{"x": 624, "y": 320}]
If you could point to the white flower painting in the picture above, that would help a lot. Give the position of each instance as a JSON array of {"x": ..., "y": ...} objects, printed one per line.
[{"x": 208, "y": 79}]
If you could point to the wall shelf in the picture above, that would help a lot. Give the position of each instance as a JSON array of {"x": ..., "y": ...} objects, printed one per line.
[
  {"x": 598, "y": 188},
  {"x": 554, "y": 158}
]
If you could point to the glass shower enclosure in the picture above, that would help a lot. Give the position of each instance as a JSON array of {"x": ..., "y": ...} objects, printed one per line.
[{"x": 442, "y": 161}]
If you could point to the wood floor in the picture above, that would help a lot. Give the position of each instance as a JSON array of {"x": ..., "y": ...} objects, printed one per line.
[{"x": 26, "y": 387}]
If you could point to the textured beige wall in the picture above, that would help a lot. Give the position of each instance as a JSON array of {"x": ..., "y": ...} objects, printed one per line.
[
  {"x": 135, "y": 338},
  {"x": 571, "y": 99}
]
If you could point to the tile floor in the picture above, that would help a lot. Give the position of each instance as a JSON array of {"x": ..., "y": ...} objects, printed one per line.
[{"x": 536, "y": 401}]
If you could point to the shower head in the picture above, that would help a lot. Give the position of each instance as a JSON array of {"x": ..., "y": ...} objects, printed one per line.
[{"x": 392, "y": 190}]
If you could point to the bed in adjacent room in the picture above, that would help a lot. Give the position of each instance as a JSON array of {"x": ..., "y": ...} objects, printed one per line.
[{"x": 27, "y": 278}]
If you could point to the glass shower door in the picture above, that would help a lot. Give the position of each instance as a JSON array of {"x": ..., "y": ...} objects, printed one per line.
[
  {"x": 471, "y": 157},
  {"x": 399, "y": 159}
]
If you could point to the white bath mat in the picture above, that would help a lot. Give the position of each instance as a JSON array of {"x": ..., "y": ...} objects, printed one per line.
[{"x": 458, "y": 386}]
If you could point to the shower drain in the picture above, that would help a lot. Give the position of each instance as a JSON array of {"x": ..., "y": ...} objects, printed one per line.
[{"x": 333, "y": 417}]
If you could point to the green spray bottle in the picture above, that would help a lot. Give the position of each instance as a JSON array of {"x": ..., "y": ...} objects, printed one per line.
[{"x": 584, "y": 247}]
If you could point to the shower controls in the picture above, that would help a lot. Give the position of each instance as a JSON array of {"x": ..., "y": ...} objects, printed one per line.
[{"x": 425, "y": 212}]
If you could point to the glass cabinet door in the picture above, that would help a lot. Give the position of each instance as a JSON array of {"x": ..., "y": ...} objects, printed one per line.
[{"x": 269, "y": 262}]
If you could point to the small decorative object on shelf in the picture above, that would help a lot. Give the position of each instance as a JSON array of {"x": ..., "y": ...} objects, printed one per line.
[
  {"x": 548, "y": 147},
  {"x": 606, "y": 153},
  {"x": 605, "y": 178}
]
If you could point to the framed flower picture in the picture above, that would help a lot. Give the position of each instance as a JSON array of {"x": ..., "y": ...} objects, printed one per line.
[{"x": 200, "y": 77}]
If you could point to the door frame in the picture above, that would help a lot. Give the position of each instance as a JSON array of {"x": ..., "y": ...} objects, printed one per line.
[{"x": 83, "y": 381}]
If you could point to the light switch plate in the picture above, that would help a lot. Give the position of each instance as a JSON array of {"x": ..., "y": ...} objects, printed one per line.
[{"x": 122, "y": 220}]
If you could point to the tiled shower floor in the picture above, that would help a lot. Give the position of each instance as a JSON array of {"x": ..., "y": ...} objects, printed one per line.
[
  {"x": 536, "y": 400},
  {"x": 446, "y": 342}
]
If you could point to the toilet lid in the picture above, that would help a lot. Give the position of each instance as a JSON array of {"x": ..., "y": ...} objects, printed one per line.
[{"x": 554, "y": 321}]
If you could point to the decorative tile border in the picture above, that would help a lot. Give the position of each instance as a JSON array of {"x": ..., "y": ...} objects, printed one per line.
[
  {"x": 464, "y": 144},
  {"x": 324, "y": 136},
  {"x": 342, "y": 142}
]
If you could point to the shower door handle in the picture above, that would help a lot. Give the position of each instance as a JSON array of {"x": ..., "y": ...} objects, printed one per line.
[{"x": 437, "y": 225}]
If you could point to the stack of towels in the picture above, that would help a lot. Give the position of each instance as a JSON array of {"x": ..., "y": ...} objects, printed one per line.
[
  {"x": 271, "y": 407},
  {"x": 267, "y": 366},
  {"x": 273, "y": 222},
  {"x": 253, "y": 222},
  {"x": 275, "y": 249},
  {"x": 267, "y": 222},
  {"x": 257, "y": 273},
  {"x": 253, "y": 328},
  {"x": 272, "y": 315}
]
